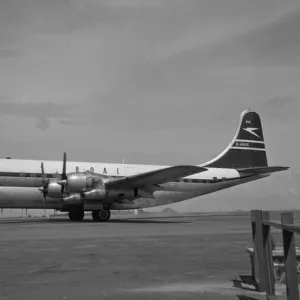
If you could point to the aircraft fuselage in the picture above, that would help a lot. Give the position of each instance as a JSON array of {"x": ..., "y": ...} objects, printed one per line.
[{"x": 20, "y": 180}]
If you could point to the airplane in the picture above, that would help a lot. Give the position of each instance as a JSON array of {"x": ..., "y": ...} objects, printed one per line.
[{"x": 77, "y": 187}]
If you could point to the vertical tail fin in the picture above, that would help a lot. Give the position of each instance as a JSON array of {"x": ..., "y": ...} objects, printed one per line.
[{"x": 247, "y": 148}]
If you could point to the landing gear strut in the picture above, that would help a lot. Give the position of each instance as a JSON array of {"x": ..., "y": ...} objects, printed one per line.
[
  {"x": 76, "y": 214},
  {"x": 101, "y": 215}
]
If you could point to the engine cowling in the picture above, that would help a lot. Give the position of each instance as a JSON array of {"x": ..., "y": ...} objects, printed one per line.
[
  {"x": 73, "y": 200},
  {"x": 79, "y": 182},
  {"x": 97, "y": 194},
  {"x": 54, "y": 190},
  {"x": 107, "y": 195}
]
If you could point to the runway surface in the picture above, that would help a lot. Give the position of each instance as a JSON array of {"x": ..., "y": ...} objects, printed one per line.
[{"x": 185, "y": 257}]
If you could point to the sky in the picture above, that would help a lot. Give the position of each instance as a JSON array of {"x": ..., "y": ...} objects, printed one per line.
[{"x": 152, "y": 82}]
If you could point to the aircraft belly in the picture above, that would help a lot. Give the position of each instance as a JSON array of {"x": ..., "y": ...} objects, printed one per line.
[
  {"x": 20, "y": 197},
  {"x": 172, "y": 193},
  {"x": 176, "y": 192}
]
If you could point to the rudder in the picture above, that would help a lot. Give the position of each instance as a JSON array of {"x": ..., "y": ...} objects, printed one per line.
[{"x": 247, "y": 148}]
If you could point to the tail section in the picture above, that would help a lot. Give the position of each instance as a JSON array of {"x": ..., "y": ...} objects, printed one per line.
[{"x": 247, "y": 149}]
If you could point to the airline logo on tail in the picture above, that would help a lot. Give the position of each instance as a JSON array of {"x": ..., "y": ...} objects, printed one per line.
[{"x": 251, "y": 130}]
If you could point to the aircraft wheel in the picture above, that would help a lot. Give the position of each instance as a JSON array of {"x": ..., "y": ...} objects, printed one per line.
[
  {"x": 102, "y": 215},
  {"x": 76, "y": 215}
]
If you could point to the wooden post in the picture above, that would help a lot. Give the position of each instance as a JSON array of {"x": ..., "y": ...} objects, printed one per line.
[
  {"x": 257, "y": 234},
  {"x": 254, "y": 266},
  {"x": 291, "y": 276},
  {"x": 268, "y": 259}
]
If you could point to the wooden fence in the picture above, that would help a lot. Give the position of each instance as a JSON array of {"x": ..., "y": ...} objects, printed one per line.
[{"x": 263, "y": 264}]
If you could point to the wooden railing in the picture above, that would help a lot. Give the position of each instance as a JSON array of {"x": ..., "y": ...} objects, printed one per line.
[{"x": 263, "y": 268}]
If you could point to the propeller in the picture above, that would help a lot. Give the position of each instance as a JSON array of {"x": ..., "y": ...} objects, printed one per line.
[
  {"x": 45, "y": 180},
  {"x": 44, "y": 189},
  {"x": 64, "y": 174}
]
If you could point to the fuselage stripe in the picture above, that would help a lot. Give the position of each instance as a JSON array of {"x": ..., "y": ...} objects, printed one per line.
[
  {"x": 248, "y": 145},
  {"x": 245, "y": 148},
  {"x": 249, "y": 141}
]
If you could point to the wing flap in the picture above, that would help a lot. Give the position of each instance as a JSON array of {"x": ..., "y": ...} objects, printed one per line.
[
  {"x": 263, "y": 170},
  {"x": 154, "y": 177}
]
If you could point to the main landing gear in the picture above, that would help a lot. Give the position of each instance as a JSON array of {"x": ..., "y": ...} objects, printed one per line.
[
  {"x": 76, "y": 214},
  {"x": 102, "y": 215}
]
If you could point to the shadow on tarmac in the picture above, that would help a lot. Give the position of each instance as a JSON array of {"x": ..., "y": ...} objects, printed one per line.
[{"x": 67, "y": 221}]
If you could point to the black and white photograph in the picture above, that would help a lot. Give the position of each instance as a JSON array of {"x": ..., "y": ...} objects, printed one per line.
[{"x": 149, "y": 149}]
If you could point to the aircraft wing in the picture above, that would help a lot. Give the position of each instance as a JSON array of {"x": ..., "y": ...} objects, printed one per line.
[
  {"x": 263, "y": 170},
  {"x": 154, "y": 177}
]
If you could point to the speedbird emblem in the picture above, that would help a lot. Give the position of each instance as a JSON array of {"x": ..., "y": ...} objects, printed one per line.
[{"x": 251, "y": 130}]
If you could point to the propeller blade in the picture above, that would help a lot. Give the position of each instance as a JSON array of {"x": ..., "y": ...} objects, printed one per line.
[
  {"x": 44, "y": 186},
  {"x": 44, "y": 179},
  {"x": 43, "y": 174},
  {"x": 64, "y": 174}
]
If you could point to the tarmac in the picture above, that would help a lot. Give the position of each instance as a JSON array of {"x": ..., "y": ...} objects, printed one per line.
[{"x": 180, "y": 257}]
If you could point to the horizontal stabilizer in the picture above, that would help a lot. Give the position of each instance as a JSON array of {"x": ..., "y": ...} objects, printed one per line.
[
  {"x": 263, "y": 170},
  {"x": 154, "y": 177}
]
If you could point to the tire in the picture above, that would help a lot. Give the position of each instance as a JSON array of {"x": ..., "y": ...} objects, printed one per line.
[
  {"x": 101, "y": 215},
  {"x": 76, "y": 215}
]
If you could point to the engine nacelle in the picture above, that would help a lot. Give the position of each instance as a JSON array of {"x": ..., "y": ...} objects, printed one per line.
[
  {"x": 97, "y": 194},
  {"x": 79, "y": 182},
  {"x": 54, "y": 190},
  {"x": 73, "y": 200},
  {"x": 104, "y": 194}
]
